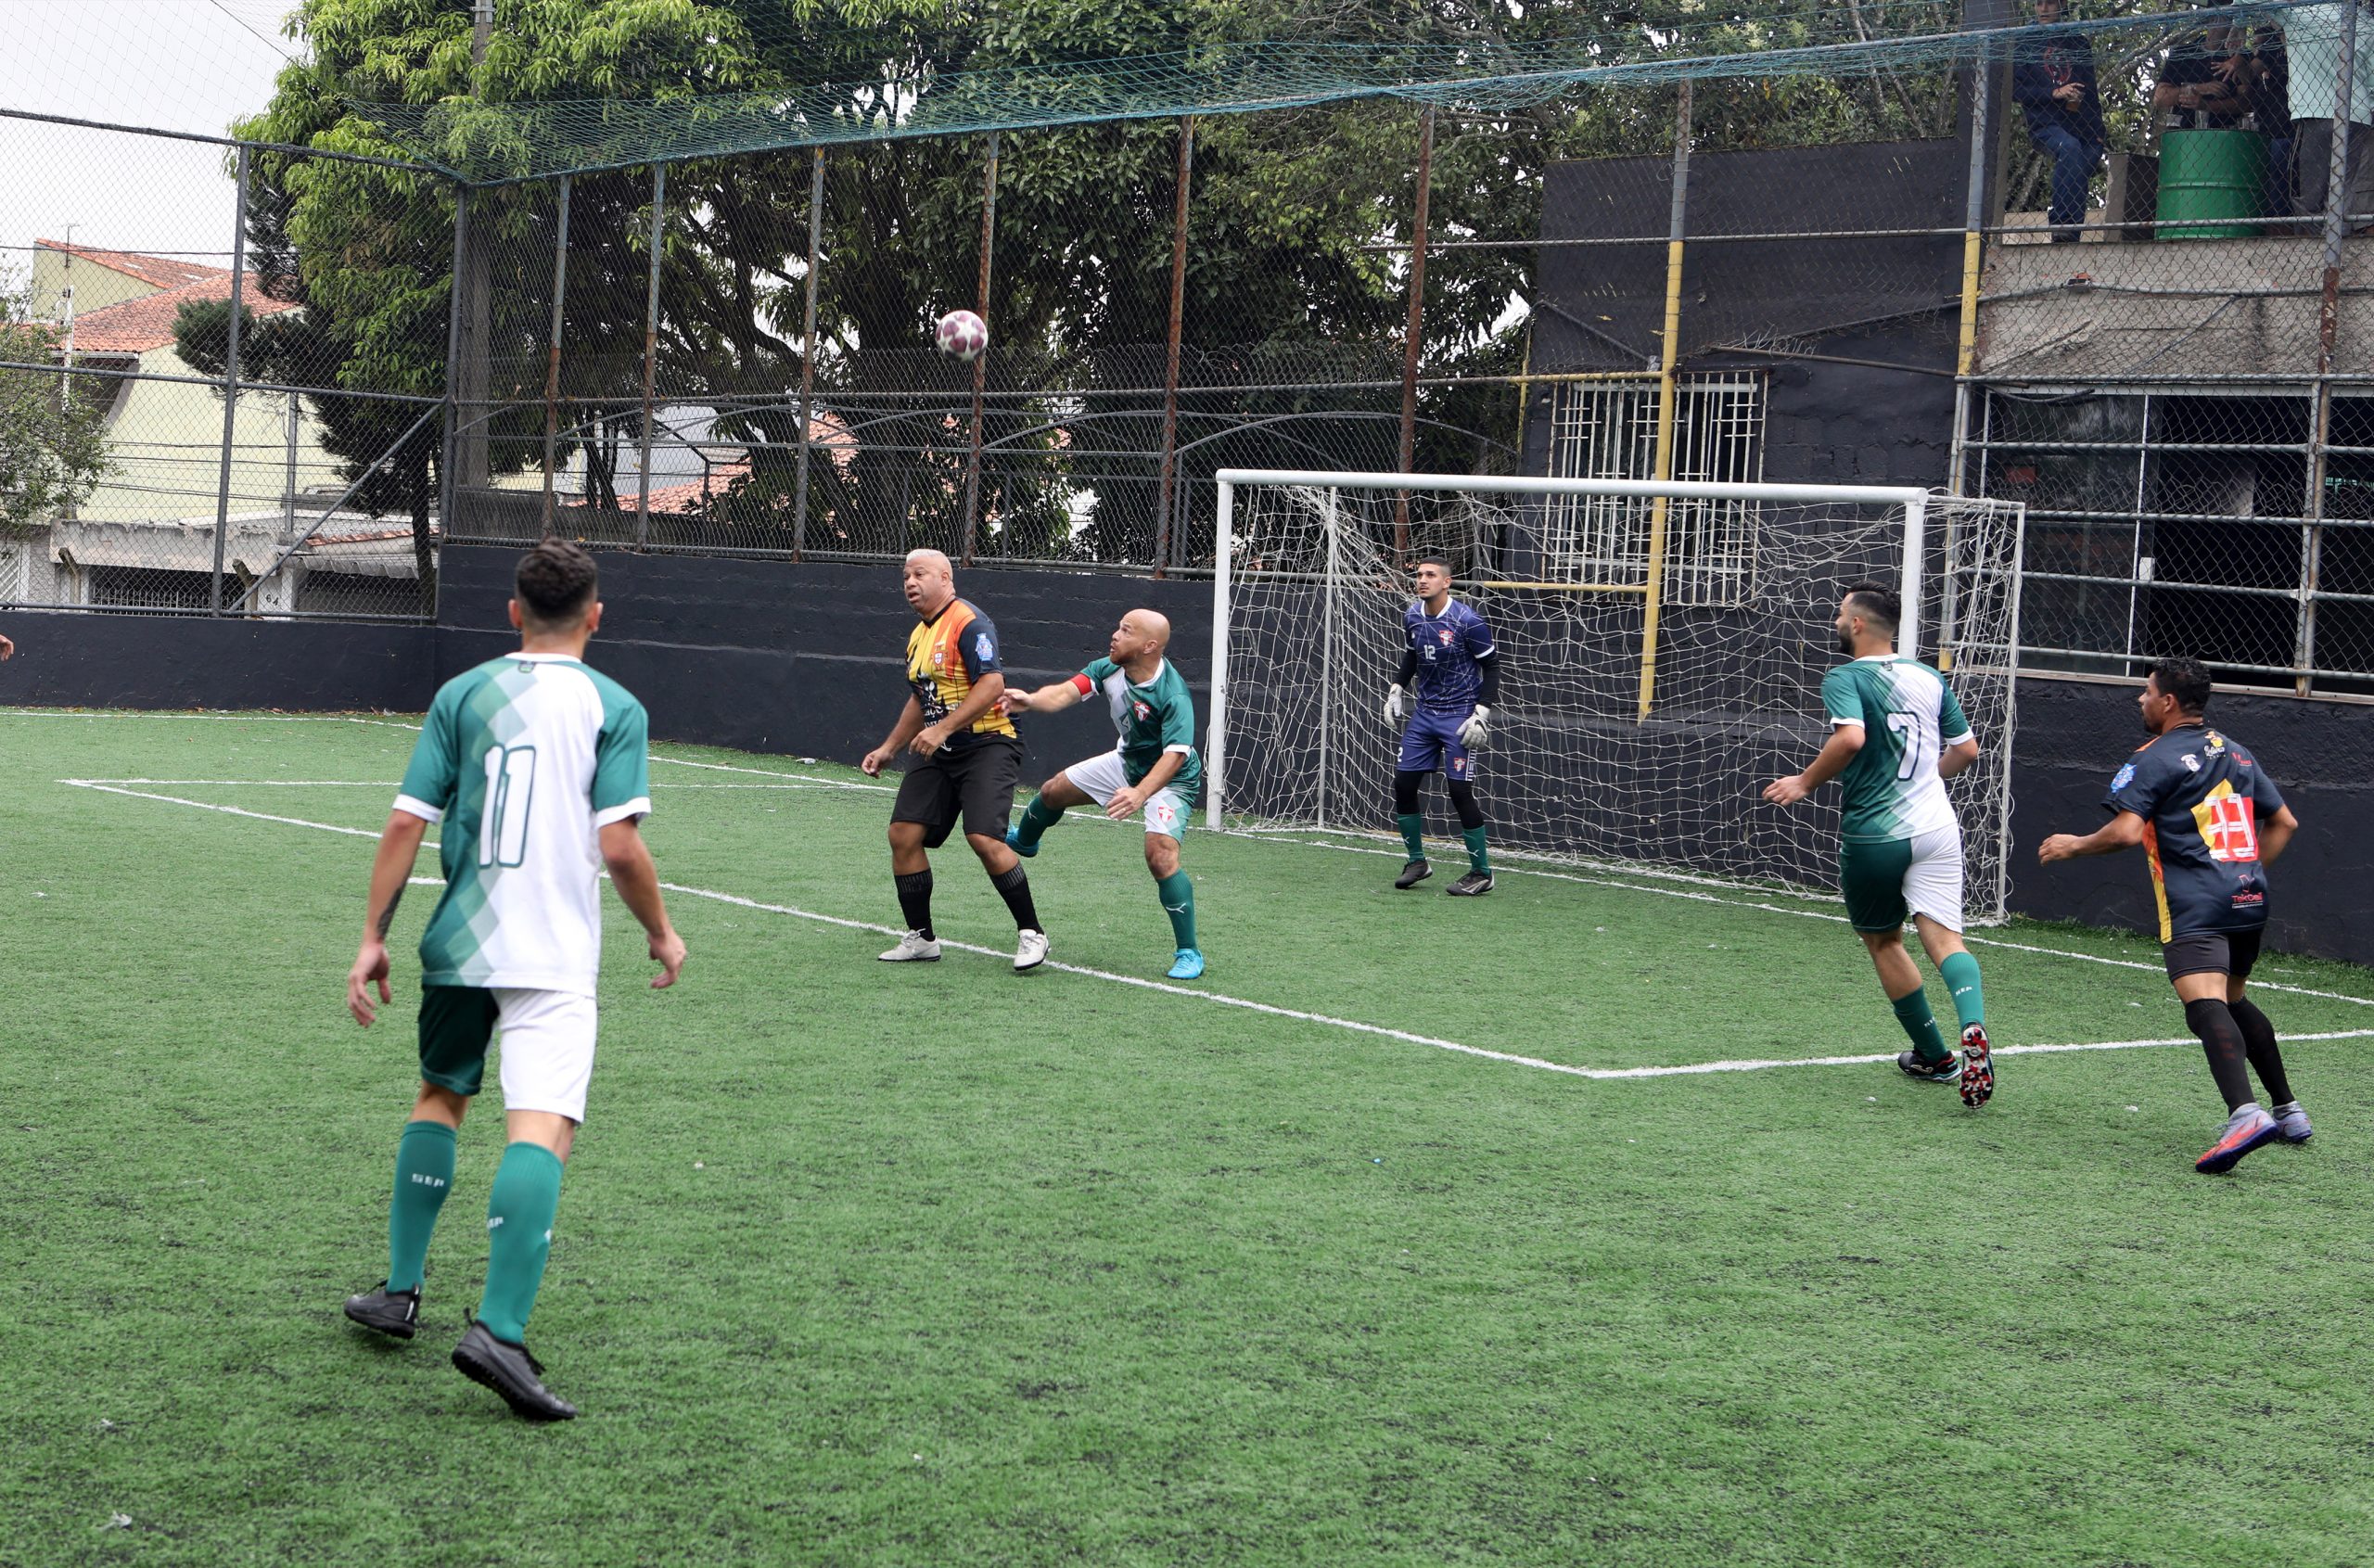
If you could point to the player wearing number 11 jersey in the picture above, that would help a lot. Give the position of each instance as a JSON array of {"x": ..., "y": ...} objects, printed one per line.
[
  {"x": 533, "y": 767},
  {"x": 2209, "y": 820},
  {"x": 1896, "y": 735}
]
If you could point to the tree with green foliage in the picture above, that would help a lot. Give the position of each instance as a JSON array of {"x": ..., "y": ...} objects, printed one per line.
[{"x": 52, "y": 426}]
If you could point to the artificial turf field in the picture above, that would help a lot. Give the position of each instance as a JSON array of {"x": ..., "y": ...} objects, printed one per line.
[{"x": 941, "y": 1264}]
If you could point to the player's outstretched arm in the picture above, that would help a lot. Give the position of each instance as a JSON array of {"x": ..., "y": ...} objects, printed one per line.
[
  {"x": 2124, "y": 831},
  {"x": 637, "y": 880},
  {"x": 1845, "y": 741},
  {"x": 390, "y": 868},
  {"x": 1126, "y": 803},
  {"x": 910, "y": 720},
  {"x": 1044, "y": 699}
]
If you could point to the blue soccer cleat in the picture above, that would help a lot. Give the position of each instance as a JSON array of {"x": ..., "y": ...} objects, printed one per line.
[
  {"x": 2245, "y": 1130},
  {"x": 1014, "y": 842},
  {"x": 1189, "y": 965}
]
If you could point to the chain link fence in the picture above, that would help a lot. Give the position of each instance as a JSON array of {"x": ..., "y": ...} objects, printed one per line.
[{"x": 2097, "y": 265}]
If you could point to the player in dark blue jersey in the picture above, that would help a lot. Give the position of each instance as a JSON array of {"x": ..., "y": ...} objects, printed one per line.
[
  {"x": 2209, "y": 820},
  {"x": 1447, "y": 650}
]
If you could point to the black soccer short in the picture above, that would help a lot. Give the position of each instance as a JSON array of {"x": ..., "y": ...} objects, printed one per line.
[
  {"x": 971, "y": 782},
  {"x": 2212, "y": 952}
]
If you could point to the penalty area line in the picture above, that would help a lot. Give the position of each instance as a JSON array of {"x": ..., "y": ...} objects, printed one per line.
[{"x": 1602, "y": 1075}]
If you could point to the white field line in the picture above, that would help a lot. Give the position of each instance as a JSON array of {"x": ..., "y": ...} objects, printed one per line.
[
  {"x": 1807, "y": 914},
  {"x": 1218, "y": 999},
  {"x": 1280, "y": 838},
  {"x": 384, "y": 785}
]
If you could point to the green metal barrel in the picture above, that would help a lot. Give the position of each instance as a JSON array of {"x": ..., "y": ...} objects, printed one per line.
[{"x": 2208, "y": 178}]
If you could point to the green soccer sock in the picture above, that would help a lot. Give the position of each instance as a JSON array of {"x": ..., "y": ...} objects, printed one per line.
[
  {"x": 1178, "y": 903},
  {"x": 424, "y": 1175},
  {"x": 1413, "y": 833},
  {"x": 1912, "y": 1012},
  {"x": 1037, "y": 818},
  {"x": 519, "y": 1237},
  {"x": 1477, "y": 860},
  {"x": 1961, "y": 971}
]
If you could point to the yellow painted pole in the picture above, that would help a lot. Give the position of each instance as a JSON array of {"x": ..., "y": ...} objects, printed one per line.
[{"x": 1652, "y": 602}]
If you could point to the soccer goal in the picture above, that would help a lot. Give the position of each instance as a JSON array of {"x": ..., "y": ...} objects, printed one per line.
[{"x": 1662, "y": 649}]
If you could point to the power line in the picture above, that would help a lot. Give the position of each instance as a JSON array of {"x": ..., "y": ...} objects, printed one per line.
[{"x": 268, "y": 40}]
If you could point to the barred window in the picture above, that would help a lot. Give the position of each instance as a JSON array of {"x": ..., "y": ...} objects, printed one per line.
[
  {"x": 1608, "y": 431},
  {"x": 2206, "y": 523}
]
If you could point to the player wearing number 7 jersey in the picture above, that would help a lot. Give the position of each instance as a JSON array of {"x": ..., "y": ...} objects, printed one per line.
[
  {"x": 534, "y": 767},
  {"x": 1896, "y": 735},
  {"x": 2210, "y": 821}
]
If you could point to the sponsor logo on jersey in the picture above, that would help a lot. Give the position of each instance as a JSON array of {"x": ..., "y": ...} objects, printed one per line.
[
  {"x": 1443, "y": 635},
  {"x": 2123, "y": 777},
  {"x": 1141, "y": 709},
  {"x": 2193, "y": 763},
  {"x": 983, "y": 649}
]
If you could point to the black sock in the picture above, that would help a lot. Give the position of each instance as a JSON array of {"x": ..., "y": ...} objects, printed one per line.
[
  {"x": 914, "y": 900},
  {"x": 2222, "y": 1038},
  {"x": 2258, "y": 1039},
  {"x": 1013, "y": 886}
]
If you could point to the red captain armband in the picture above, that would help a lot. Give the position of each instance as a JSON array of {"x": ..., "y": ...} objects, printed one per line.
[{"x": 1082, "y": 684}]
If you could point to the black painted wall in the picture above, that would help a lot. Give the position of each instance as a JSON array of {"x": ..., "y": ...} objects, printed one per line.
[
  {"x": 806, "y": 660},
  {"x": 809, "y": 661},
  {"x": 72, "y": 659}
]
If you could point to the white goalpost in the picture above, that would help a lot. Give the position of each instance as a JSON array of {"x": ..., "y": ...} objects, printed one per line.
[{"x": 1662, "y": 650}]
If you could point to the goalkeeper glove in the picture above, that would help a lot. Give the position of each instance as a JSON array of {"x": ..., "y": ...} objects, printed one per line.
[
  {"x": 1393, "y": 705},
  {"x": 1472, "y": 733}
]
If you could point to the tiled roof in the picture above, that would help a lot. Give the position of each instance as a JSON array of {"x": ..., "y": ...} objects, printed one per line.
[
  {"x": 162, "y": 271},
  {"x": 137, "y": 325}
]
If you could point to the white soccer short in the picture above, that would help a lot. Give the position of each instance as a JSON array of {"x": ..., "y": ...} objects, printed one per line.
[
  {"x": 1102, "y": 778},
  {"x": 545, "y": 1049},
  {"x": 1933, "y": 883}
]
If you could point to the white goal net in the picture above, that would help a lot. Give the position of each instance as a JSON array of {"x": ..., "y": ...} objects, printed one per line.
[{"x": 1633, "y": 727}]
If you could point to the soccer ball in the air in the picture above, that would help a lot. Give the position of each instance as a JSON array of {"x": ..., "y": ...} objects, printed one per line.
[{"x": 963, "y": 334}]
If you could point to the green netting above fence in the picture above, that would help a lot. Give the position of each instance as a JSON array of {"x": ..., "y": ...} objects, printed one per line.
[{"x": 898, "y": 93}]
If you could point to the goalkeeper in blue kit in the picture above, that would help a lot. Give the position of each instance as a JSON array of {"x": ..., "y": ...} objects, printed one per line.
[{"x": 1447, "y": 651}]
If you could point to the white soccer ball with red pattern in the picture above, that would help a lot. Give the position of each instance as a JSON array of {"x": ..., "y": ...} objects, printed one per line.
[{"x": 963, "y": 334}]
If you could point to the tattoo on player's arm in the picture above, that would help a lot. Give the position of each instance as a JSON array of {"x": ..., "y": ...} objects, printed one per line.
[{"x": 388, "y": 915}]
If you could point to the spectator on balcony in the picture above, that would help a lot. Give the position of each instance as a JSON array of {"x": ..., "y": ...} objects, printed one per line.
[
  {"x": 2260, "y": 69},
  {"x": 2312, "y": 43},
  {"x": 2052, "y": 78},
  {"x": 2198, "y": 88}
]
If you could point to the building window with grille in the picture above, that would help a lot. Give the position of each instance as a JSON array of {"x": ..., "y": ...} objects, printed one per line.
[{"x": 1608, "y": 431}]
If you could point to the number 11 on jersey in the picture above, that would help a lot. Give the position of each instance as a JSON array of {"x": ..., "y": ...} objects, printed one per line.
[{"x": 510, "y": 787}]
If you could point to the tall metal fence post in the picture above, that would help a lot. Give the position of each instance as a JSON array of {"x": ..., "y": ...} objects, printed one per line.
[
  {"x": 1163, "y": 543},
  {"x": 1668, "y": 356},
  {"x": 2312, "y": 541},
  {"x": 650, "y": 357},
  {"x": 449, "y": 438},
  {"x": 231, "y": 383},
  {"x": 808, "y": 356},
  {"x": 981, "y": 365},
  {"x": 1413, "y": 338},
  {"x": 1982, "y": 84},
  {"x": 552, "y": 361}
]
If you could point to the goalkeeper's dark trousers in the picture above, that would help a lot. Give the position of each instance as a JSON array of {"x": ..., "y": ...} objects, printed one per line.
[{"x": 1408, "y": 786}]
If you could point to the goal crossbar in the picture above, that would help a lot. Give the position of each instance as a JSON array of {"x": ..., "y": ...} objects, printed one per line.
[{"x": 1914, "y": 502}]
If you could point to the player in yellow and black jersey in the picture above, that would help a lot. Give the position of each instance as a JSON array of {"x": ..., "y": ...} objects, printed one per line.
[{"x": 966, "y": 759}]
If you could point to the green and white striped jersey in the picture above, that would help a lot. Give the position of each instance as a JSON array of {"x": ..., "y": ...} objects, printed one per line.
[
  {"x": 523, "y": 760},
  {"x": 1909, "y": 716}
]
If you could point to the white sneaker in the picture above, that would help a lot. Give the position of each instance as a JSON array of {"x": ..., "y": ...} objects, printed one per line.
[
  {"x": 1029, "y": 951},
  {"x": 914, "y": 947}
]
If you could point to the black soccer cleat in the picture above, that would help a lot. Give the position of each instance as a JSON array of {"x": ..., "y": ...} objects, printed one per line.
[
  {"x": 1475, "y": 885},
  {"x": 512, "y": 1372},
  {"x": 393, "y": 1313},
  {"x": 1412, "y": 874},
  {"x": 1947, "y": 1070}
]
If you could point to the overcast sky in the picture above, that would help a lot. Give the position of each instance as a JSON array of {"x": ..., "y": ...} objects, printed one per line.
[{"x": 181, "y": 65}]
